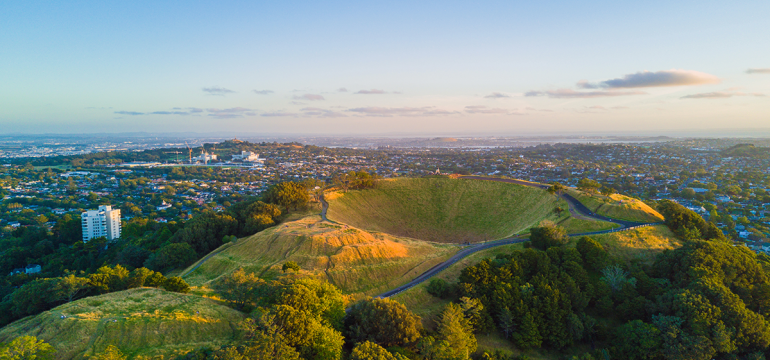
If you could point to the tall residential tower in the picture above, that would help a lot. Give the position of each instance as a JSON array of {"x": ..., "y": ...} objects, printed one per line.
[{"x": 102, "y": 222}]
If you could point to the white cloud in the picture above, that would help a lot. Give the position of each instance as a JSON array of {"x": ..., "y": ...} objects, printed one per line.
[{"x": 674, "y": 77}]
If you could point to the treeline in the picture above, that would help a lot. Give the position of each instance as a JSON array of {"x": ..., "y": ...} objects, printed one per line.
[
  {"x": 43, "y": 294},
  {"x": 306, "y": 318},
  {"x": 144, "y": 243},
  {"x": 705, "y": 300}
]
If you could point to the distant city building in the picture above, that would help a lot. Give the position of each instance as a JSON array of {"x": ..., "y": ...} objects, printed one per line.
[
  {"x": 102, "y": 222},
  {"x": 246, "y": 156},
  {"x": 205, "y": 157}
]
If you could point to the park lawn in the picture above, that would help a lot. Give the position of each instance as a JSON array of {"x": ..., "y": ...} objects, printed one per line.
[
  {"x": 444, "y": 209},
  {"x": 358, "y": 262},
  {"x": 142, "y": 321},
  {"x": 617, "y": 206}
]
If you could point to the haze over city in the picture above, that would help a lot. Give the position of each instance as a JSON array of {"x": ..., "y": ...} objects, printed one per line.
[{"x": 385, "y": 68}]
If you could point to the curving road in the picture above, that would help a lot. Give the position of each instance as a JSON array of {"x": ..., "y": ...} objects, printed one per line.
[{"x": 576, "y": 209}]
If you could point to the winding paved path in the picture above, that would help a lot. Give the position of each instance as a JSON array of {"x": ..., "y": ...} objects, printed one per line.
[{"x": 576, "y": 209}]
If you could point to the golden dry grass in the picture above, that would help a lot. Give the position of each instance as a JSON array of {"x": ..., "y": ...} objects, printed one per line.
[
  {"x": 142, "y": 321},
  {"x": 356, "y": 261},
  {"x": 444, "y": 209},
  {"x": 641, "y": 244},
  {"x": 617, "y": 206}
]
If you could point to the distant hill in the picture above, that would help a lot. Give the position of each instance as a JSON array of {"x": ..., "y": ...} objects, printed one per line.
[
  {"x": 444, "y": 210},
  {"x": 354, "y": 260},
  {"x": 142, "y": 321},
  {"x": 747, "y": 150}
]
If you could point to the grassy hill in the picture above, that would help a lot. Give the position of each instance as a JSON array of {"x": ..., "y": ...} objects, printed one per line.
[
  {"x": 641, "y": 244},
  {"x": 444, "y": 210},
  {"x": 142, "y": 321},
  {"x": 356, "y": 261},
  {"x": 617, "y": 206}
]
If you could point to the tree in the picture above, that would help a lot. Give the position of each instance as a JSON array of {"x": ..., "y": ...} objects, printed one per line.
[
  {"x": 368, "y": 350},
  {"x": 588, "y": 185},
  {"x": 457, "y": 331},
  {"x": 607, "y": 191},
  {"x": 288, "y": 194},
  {"x": 593, "y": 254},
  {"x": 171, "y": 256},
  {"x": 176, "y": 284},
  {"x": 637, "y": 340},
  {"x": 556, "y": 188},
  {"x": 616, "y": 277},
  {"x": 240, "y": 288},
  {"x": 528, "y": 335},
  {"x": 26, "y": 348},
  {"x": 290, "y": 265},
  {"x": 439, "y": 288},
  {"x": 547, "y": 235},
  {"x": 70, "y": 287},
  {"x": 382, "y": 321}
]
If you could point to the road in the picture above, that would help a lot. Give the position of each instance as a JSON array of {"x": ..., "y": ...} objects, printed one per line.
[{"x": 576, "y": 208}]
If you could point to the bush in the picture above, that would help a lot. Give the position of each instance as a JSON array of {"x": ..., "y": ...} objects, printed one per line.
[
  {"x": 176, "y": 284},
  {"x": 548, "y": 235},
  {"x": 441, "y": 288}
]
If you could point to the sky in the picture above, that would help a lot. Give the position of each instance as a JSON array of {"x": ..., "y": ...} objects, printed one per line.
[{"x": 385, "y": 67}]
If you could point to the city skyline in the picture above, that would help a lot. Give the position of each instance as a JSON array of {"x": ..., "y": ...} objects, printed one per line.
[{"x": 395, "y": 68}]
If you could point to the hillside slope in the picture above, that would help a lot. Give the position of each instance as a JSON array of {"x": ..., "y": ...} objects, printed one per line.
[
  {"x": 617, "y": 206},
  {"x": 142, "y": 321},
  {"x": 444, "y": 210},
  {"x": 356, "y": 261}
]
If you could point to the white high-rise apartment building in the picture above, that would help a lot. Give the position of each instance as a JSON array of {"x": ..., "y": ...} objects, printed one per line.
[{"x": 102, "y": 222}]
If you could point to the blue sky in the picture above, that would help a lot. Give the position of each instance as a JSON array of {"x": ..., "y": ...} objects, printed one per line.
[{"x": 438, "y": 67}]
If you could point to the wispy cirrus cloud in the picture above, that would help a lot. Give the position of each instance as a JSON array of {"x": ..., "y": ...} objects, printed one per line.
[
  {"x": 720, "y": 95},
  {"x": 262, "y": 92},
  {"x": 642, "y": 79},
  {"x": 133, "y": 113},
  {"x": 218, "y": 91},
  {"x": 371, "y": 92},
  {"x": 229, "y": 113},
  {"x": 481, "y": 109},
  {"x": 572, "y": 94},
  {"x": 758, "y": 71},
  {"x": 401, "y": 111},
  {"x": 169, "y": 113},
  {"x": 314, "y": 111},
  {"x": 309, "y": 97},
  {"x": 278, "y": 114},
  {"x": 496, "y": 95}
]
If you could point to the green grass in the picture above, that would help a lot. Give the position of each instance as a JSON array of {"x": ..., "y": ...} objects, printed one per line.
[
  {"x": 576, "y": 226},
  {"x": 143, "y": 321},
  {"x": 445, "y": 210},
  {"x": 357, "y": 262},
  {"x": 642, "y": 244},
  {"x": 617, "y": 206}
]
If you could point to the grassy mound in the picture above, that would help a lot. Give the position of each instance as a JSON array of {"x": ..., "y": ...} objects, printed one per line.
[
  {"x": 641, "y": 244},
  {"x": 445, "y": 210},
  {"x": 618, "y": 206},
  {"x": 356, "y": 261},
  {"x": 143, "y": 321}
]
